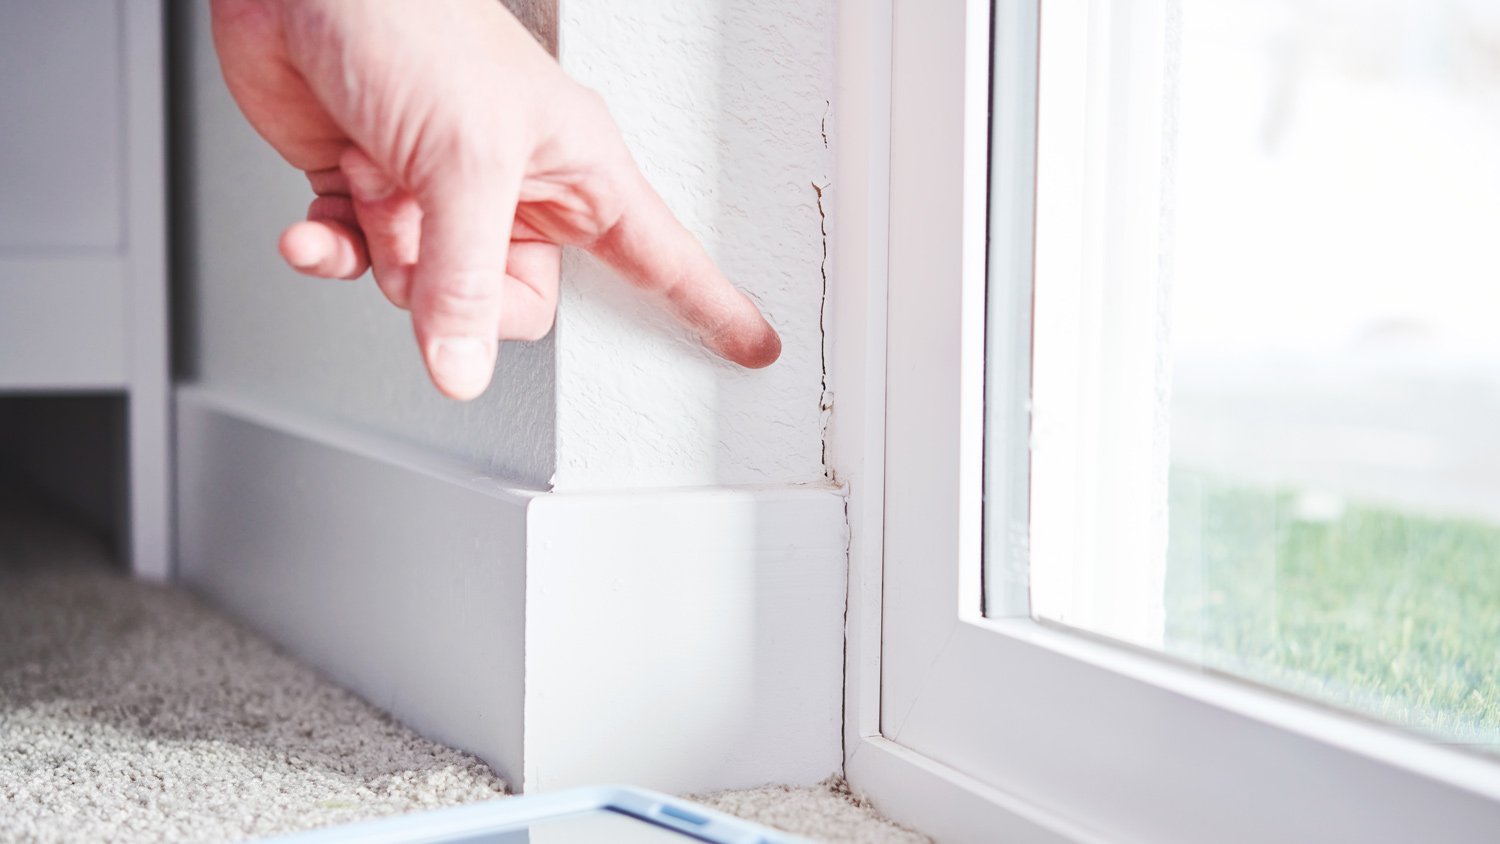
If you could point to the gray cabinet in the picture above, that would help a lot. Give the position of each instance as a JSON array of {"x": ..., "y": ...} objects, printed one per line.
[{"x": 82, "y": 229}]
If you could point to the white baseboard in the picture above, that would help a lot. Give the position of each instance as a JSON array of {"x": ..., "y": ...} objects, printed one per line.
[
  {"x": 399, "y": 576},
  {"x": 686, "y": 640},
  {"x": 681, "y": 640}
]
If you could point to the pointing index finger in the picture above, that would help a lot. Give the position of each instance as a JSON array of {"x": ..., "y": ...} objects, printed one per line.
[{"x": 654, "y": 251}]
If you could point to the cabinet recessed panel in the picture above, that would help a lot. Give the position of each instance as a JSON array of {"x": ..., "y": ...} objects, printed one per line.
[{"x": 61, "y": 109}]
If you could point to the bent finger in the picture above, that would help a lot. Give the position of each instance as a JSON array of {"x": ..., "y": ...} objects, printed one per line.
[
  {"x": 391, "y": 221},
  {"x": 324, "y": 247},
  {"x": 529, "y": 307}
]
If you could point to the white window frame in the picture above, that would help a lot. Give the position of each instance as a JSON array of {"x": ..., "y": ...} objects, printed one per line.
[{"x": 1001, "y": 729}]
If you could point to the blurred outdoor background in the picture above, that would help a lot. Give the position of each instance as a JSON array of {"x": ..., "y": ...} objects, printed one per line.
[{"x": 1335, "y": 335}]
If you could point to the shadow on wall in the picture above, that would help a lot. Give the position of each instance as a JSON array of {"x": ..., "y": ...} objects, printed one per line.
[
  {"x": 728, "y": 124},
  {"x": 182, "y": 210},
  {"x": 775, "y": 92}
]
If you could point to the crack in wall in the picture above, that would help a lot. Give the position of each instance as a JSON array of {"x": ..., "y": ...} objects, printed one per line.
[
  {"x": 825, "y": 417},
  {"x": 848, "y": 599},
  {"x": 825, "y": 399}
]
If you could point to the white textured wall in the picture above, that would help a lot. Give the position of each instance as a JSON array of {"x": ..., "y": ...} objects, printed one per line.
[
  {"x": 249, "y": 326},
  {"x": 722, "y": 102}
]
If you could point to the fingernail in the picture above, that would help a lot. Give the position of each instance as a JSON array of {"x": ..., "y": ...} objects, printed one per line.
[
  {"x": 303, "y": 262},
  {"x": 463, "y": 365},
  {"x": 368, "y": 185}
]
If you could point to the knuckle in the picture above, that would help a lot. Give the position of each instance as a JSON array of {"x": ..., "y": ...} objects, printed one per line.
[
  {"x": 331, "y": 207},
  {"x": 592, "y": 101},
  {"x": 536, "y": 328},
  {"x": 395, "y": 288},
  {"x": 463, "y": 295}
]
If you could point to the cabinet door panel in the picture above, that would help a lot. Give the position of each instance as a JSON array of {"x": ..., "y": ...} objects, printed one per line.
[
  {"x": 62, "y": 325},
  {"x": 61, "y": 126}
]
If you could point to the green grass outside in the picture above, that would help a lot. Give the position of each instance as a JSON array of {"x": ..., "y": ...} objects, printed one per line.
[{"x": 1392, "y": 614}]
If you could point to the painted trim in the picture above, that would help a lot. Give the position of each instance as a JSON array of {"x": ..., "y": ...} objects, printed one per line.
[
  {"x": 996, "y": 727},
  {"x": 856, "y": 338},
  {"x": 399, "y": 575},
  {"x": 686, "y": 640},
  {"x": 949, "y": 806},
  {"x": 148, "y": 538},
  {"x": 935, "y": 336}
]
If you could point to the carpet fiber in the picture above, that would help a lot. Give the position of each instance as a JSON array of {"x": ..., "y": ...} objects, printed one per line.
[
  {"x": 827, "y": 812},
  {"x": 132, "y": 712}
]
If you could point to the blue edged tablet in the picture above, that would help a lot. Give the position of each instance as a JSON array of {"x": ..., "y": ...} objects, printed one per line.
[{"x": 610, "y": 815}]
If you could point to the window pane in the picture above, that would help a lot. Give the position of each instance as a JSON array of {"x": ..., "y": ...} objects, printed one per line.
[{"x": 1316, "y": 495}]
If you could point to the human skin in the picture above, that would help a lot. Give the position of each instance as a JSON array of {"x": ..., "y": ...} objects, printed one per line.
[{"x": 450, "y": 154}]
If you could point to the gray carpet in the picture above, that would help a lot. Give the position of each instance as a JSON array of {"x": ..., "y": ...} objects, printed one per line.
[
  {"x": 132, "y": 712},
  {"x": 826, "y": 812}
]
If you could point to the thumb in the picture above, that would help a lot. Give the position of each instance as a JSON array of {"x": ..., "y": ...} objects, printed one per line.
[{"x": 459, "y": 277}]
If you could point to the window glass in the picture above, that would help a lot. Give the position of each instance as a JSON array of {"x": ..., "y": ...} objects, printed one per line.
[{"x": 1315, "y": 502}]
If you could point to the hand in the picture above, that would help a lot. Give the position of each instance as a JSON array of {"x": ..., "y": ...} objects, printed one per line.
[{"x": 451, "y": 154}]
